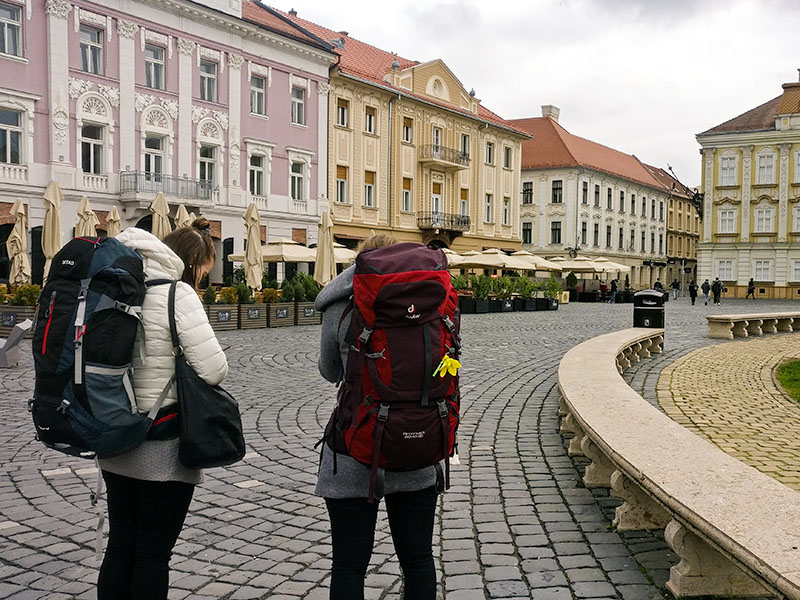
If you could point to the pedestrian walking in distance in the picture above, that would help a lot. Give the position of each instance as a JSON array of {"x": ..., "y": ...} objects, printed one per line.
[
  {"x": 613, "y": 298},
  {"x": 751, "y": 289},
  {"x": 706, "y": 287},
  {"x": 693, "y": 291},
  {"x": 676, "y": 286},
  {"x": 716, "y": 290}
]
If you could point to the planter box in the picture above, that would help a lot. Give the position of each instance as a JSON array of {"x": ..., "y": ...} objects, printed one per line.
[
  {"x": 306, "y": 314},
  {"x": 481, "y": 306},
  {"x": 281, "y": 314},
  {"x": 466, "y": 305},
  {"x": 497, "y": 305},
  {"x": 552, "y": 304},
  {"x": 223, "y": 317},
  {"x": 252, "y": 316},
  {"x": 11, "y": 315},
  {"x": 529, "y": 304},
  {"x": 542, "y": 303}
]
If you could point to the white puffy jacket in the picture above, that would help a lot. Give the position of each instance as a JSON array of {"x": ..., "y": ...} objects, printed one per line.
[{"x": 200, "y": 345}]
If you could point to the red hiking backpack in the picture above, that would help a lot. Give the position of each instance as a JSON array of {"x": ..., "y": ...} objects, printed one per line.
[{"x": 398, "y": 406}]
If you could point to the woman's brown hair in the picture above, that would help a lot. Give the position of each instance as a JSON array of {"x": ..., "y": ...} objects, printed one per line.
[
  {"x": 194, "y": 246},
  {"x": 375, "y": 241}
]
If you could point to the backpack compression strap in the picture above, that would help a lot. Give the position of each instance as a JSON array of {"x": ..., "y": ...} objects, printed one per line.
[{"x": 80, "y": 330}]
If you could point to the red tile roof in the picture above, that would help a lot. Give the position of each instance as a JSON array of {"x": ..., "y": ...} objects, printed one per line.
[
  {"x": 553, "y": 146},
  {"x": 757, "y": 119},
  {"x": 362, "y": 61},
  {"x": 254, "y": 13},
  {"x": 668, "y": 181}
]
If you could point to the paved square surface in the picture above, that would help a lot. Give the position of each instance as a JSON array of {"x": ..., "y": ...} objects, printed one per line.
[{"x": 516, "y": 522}]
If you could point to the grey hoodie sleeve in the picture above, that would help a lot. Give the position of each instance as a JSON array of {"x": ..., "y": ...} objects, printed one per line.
[{"x": 334, "y": 300}]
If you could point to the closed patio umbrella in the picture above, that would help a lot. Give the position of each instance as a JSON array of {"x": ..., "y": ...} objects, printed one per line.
[
  {"x": 184, "y": 218},
  {"x": 325, "y": 263},
  {"x": 17, "y": 246},
  {"x": 113, "y": 222},
  {"x": 87, "y": 220},
  {"x": 161, "y": 227},
  {"x": 51, "y": 230},
  {"x": 253, "y": 263}
]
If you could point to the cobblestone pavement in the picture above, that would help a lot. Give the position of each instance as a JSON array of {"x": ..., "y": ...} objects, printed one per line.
[
  {"x": 757, "y": 424},
  {"x": 515, "y": 523}
]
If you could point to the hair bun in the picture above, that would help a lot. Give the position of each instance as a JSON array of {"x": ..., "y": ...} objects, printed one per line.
[{"x": 201, "y": 224}]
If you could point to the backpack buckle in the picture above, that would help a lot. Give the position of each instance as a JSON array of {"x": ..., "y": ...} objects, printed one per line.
[
  {"x": 364, "y": 337},
  {"x": 62, "y": 408},
  {"x": 383, "y": 413},
  {"x": 442, "y": 408}
]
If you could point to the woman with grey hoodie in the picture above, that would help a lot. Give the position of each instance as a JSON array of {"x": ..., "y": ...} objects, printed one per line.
[{"x": 410, "y": 496}]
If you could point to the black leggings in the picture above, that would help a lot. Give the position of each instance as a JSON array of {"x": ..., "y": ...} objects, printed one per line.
[
  {"x": 353, "y": 533},
  {"x": 144, "y": 519}
]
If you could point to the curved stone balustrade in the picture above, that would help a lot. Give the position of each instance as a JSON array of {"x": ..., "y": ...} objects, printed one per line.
[
  {"x": 734, "y": 528},
  {"x": 744, "y": 325}
]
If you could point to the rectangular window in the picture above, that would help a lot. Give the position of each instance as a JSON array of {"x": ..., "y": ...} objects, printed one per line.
[
  {"x": 10, "y": 136},
  {"x": 507, "y": 157},
  {"x": 661, "y": 211},
  {"x": 585, "y": 197},
  {"x": 408, "y": 130},
  {"x": 725, "y": 269},
  {"x": 489, "y": 153},
  {"x": 258, "y": 96},
  {"x": 597, "y": 196},
  {"x": 633, "y": 204},
  {"x": 621, "y": 239},
  {"x": 557, "y": 193},
  {"x": 608, "y": 236},
  {"x": 369, "y": 188},
  {"x": 298, "y": 106},
  {"x": 555, "y": 232},
  {"x": 609, "y": 200},
  {"x": 596, "y": 234},
  {"x": 621, "y": 201},
  {"x": 208, "y": 163},
  {"x": 436, "y": 198},
  {"x": 766, "y": 172},
  {"x": 506, "y": 211},
  {"x": 796, "y": 271},
  {"x": 341, "y": 184},
  {"x": 727, "y": 170},
  {"x": 370, "y": 116},
  {"x": 153, "y": 157},
  {"x": 437, "y": 141},
  {"x": 91, "y": 50},
  {"x": 797, "y": 167},
  {"x": 464, "y": 145},
  {"x": 796, "y": 219},
  {"x": 764, "y": 220},
  {"x": 527, "y": 232},
  {"x": 652, "y": 209},
  {"x": 584, "y": 225},
  {"x": 488, "y": 216},
  {"x": 644, "y": 206},
  {"x": 660, "y": 243},
  {"x": 154, "y": 66},
  {"x": 10, "y": 30},
  {"x": 652, "y": 243},
  {"x": 644, "y": 243},
  {"x": 208, "y": 81},
  {"x": 464, "y": 203},
  {"x": 407, "y": 194},
  {"x": 527, "y": 192},
  {"x": 632, "y": 247},
  {"x": 297, "y": 179},
  {"x": 256, "y": 173},
  {"x": 342, "y": 112},
  {"x": 726, "y": 221},
  {"x": 92, "y": 149}
]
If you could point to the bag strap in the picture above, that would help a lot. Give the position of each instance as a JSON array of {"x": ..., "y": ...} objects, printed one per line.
[{"x": 173, "y": 330}]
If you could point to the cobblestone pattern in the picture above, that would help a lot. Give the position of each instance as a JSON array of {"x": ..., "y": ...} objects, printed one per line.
[
  {"x": 727, "y": 394},
  {"x": 516, "y": 522}
]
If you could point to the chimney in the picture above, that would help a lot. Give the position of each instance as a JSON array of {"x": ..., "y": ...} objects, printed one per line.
[
  {"x": 292, "y": 12},
  {"x": 548, "y": 110},
  {"x": 344, "y": 33}
]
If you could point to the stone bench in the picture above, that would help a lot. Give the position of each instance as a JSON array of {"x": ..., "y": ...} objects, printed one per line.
[
  {"x": 731, "y": 326},
  {"x": 736, "y": 530}
]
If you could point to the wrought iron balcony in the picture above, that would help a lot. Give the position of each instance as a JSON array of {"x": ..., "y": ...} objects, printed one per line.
[
  {"x": 446, "y": 221},
  {"x": 152, "y": 183},
  {"x": 444, "y": 157}
]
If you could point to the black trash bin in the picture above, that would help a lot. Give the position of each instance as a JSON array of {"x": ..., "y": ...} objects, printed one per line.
[{"x": 648, "y": 309}]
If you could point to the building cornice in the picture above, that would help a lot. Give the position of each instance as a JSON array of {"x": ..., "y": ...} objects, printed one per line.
[
  {"x": 599, "y": 172},
  {"x": 743, "y": 138},
  {"x": 242, "y": 28}
]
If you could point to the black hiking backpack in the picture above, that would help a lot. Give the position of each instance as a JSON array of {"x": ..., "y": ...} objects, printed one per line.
[{"x": 86, "y": 323}]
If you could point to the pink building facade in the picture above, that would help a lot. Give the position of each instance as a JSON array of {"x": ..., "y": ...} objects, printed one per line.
[{"x": 119, "y": 100}]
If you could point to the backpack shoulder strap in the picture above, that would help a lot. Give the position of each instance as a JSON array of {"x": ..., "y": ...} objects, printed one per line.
[{"x": 173, "y": 330}]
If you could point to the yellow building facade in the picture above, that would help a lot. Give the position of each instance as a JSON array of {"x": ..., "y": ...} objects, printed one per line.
[
  {"x": 415, "y": 158},
  {"x": 751, "y": 186}
]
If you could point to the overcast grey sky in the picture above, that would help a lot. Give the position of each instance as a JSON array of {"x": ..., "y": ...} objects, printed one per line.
[{"x": 641, "y": 77}]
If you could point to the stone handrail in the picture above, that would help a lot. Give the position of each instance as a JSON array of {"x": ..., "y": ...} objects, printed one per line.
[
  {"x": 734, "y": 528},
  {"x": 744, "y": 325}
]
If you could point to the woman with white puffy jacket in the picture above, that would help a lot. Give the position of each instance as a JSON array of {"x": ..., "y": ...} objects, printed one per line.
[{"x": 149, "y": 491}]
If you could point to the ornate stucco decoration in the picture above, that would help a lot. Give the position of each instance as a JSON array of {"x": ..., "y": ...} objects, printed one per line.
[
  {"x": 110, "y": 93},
  {"x": 142, "y": 101},
  {"x": 60, "y": 120},
  {"x": 201, "y": 112},
  {"x": 157, "y": 118},
  {"x": 260, "y": 70},
  {"x": 92, "y": 105},
  {"x": 235, "y": 61},
  {"x": 57, "y": 8},
  {"x": 323, "y": 88},
  {"x": 234, "y": 156},
  {"x": 186, "y": 46},
  {"x": 171, "y": 106},
  {"x": 78, "y": 87},
  {"x": 127, "y": 29},
  {"x": 86, "y": 16}
]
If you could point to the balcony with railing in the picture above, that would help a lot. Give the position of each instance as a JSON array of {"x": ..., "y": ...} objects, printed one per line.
[
  {"x": 444, "y": 221},
  {"x": 148, "y": 184},
  {"x": 443, "y": 157}
]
